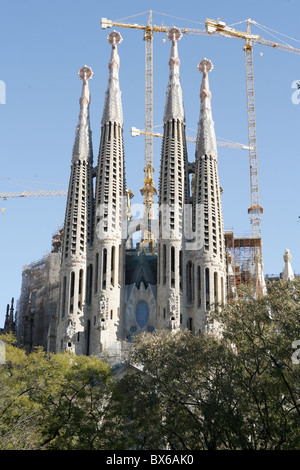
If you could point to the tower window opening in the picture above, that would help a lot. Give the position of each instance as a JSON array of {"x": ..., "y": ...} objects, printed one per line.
[
  {"x": 199, "y": 285},
  {"x": 190, "y": 282},
  {"x": 89, "y": 284},
  {"x": 72, "y": 291},
  {"x": 172, "y": 266},
  {"x": 180, "y": 270},
  {"x": 80, "y": 288},
  {"x": 207, "y": 288},
  {"x": 112, "y": 266},
  {"x": 104, "y": 267},
  {"x": 216, "y": 296}
]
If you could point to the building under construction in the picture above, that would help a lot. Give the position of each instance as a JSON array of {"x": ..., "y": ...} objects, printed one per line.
[
  {"x": 244, "y": 262},
  {"x": 95, "y": 291}
]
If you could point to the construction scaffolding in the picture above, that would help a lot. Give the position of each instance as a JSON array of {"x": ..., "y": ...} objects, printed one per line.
[{"x": 244, "y": 262}]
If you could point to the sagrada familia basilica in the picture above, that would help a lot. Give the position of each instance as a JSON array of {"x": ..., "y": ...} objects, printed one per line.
[{"x": 95, "y": 291}]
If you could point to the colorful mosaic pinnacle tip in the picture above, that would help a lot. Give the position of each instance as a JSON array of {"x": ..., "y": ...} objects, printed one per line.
[{"x": 85, "y": 73}]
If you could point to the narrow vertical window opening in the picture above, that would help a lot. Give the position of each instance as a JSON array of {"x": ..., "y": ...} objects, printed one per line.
[
  {"x": 207, "y": 288},
  {"x": 104, "y": 266}
]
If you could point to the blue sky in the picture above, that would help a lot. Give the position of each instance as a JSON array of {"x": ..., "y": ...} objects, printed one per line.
[{"x": 44, "y": 44}]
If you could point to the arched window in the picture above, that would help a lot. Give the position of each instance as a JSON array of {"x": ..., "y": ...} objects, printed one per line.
[{"x": 142, "y": 314}]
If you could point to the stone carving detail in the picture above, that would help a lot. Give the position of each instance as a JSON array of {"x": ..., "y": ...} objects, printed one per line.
[{"x": 102, "y": 305}]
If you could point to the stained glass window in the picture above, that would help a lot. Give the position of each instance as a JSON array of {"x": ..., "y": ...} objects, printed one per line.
[{"x": 142, "y": 314}]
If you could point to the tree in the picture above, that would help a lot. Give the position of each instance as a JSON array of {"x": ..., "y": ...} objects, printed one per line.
[
  {"x": 236, "y": 390},
  {"x": 239, "y": 390},
  {"x": 263, "y": 331},
  {"x": 55, "y": 401}
]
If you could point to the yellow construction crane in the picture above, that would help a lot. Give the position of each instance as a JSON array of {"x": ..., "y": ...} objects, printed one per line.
[
  {"x": 221, "y": 29},
  {"x": 216, "y": 28}
]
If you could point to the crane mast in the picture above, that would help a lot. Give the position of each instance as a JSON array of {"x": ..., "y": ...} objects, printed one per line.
[
  {"x": 255, "y": 209},
  {"x": 148, "y": 189},
  {"x": 216, "y": 28},
  {"x": 219, "y": 28}
]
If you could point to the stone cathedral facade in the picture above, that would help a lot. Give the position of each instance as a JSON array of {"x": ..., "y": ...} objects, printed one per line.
[{"x": 110, "y": 291}]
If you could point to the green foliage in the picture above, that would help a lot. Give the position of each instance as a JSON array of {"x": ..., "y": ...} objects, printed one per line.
[
  {"x": 55, "y": 401},
  {"x": 237, "y": 390}
]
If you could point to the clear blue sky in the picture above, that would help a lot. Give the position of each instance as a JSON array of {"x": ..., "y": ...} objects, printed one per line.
[{"x": 45, "y": 43}]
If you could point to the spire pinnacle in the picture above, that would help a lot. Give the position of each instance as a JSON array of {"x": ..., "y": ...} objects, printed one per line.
[
  {"x": 174, "y": 103},
  {"x": 174, "y": 35},
  {"x": 81, "y": 148},
  {"x": 206, "y": 139},
  {"x": 112, "y": 106},
  {"x": 288, "y": 274},
  {"x": 204, "y": 67},
  {"x": 85, "y": 74}
]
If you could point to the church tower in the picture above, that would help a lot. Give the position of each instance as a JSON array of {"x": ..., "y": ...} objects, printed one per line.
[
  {"x": 77, "y": 233},
  {"x": 173, "y": 197},
  {"x": 106, "y": 270},
  {"x": 205, "y": 270}
]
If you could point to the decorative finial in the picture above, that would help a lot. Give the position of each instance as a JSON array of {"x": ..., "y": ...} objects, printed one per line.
[
  {"x": 114, "y": 38},
  {"x": 287, "y": 257},
  {"x": 85, "y": 73},
  {"x": 205, "y": 66},
  {"x": 174, "y": 34},
  {"x": 288, "y": 274}
]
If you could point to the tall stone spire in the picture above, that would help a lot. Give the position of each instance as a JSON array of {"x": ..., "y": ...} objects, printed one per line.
[
  {"x": 82, "y": 148},
  {"x": 107, "y": 269},
  {"x": 77, "y": 232},
  {"x": 173, "y": 196},
  {"x": 174, "y": 108},
  {"x": 112, "y": 111},
  {"x": 207, "y": 269},
  {"x": 206, "y": 138}
]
